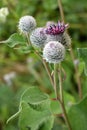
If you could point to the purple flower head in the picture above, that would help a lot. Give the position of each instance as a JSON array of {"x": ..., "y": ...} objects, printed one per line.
[{"x": 55, "y": 29}]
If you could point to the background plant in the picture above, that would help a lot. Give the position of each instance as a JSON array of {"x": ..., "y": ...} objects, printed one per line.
[{"x": 76, "y": 16}]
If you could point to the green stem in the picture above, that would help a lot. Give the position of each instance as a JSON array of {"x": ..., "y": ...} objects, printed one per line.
[
  {"x": 55, "y": 80},
  {"x": 60, "y": 82},
  {"x": 62, "y": 98},
  {"x": 65, "y": 116},
  {"x": 78, "y": 81},
  {"x": 48, "y": 72}
]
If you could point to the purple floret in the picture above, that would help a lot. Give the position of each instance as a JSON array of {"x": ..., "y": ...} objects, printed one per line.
[{"x": 56, "y": 29}]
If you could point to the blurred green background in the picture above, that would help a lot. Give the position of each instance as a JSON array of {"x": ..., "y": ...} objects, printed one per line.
[{"x": 19, "y": 71}]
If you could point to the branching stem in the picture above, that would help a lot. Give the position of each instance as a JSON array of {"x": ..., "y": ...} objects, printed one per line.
[
  {"x": 55, "y": 80},
  {"x": 60, "y": 99},
  {"x": 60, "y": 83},
  {"x": 48, "y": 71},
  {"x": 78, "y": 81}
]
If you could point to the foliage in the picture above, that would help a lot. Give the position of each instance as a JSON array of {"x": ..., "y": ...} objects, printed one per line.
[
  {"x": 30, "y": 72},
  {"x": 35, "y": 104},
  {"x": 78, "y": 114}
]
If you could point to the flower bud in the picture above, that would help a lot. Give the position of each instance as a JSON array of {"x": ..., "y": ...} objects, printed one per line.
[
  {"x": 54, "y": 52},
  {"x": 26, "y": 24},
  {"x": 56, "y": 32},
  {"x": 38, "y": 38},
  {"x": 55, "y": 29}
]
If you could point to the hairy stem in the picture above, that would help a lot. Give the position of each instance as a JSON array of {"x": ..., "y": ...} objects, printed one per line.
[
  {"x": 62, "y": 98},
  {"x": 48, "y": 71},
  {"x": 55, "y": 80},
  {"x": 65, "y": 116},
  {"x": 78, "y": 81},
  {"x": 60, "y": 83}
]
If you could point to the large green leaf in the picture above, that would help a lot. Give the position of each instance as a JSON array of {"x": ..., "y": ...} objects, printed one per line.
[
  {"x": 14, "y": 40},
  {"x": 82, "y": 53},
  {"x": 33, "y": 95},
  {"x": 35, "y": 110},
  {"x": 33, "y": 119},
  {"x": 78, "y": 115}
]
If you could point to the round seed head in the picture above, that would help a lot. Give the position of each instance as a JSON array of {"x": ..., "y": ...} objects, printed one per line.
[
  {"x": 26, "y": 24},
  {"x": 38, "y": 38},
  {"x": 54, "y": 52}
]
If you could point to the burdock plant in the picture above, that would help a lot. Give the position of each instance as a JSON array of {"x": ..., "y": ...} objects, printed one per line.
[{"x": 50, "y": 43}]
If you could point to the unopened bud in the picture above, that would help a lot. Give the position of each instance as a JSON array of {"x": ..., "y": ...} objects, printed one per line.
[
  {"x": 38, "y": 38},
  {"x": 26, "y": 24},
  {"x": 54, "y": 52}
]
